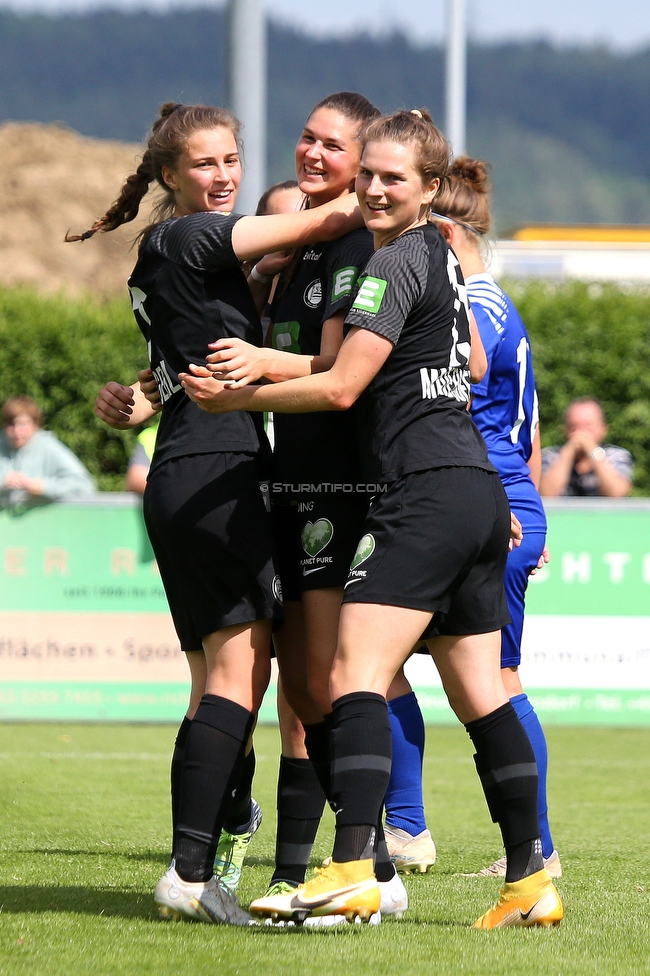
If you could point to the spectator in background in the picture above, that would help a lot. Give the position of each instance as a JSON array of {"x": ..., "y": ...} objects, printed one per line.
[
  {"x": 584, "y": 465},
  {"x": 140, "y": 460},
  {"x": 35, "y": 467}
]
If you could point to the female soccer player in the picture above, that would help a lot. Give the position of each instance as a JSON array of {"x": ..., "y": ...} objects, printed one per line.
[
  {"x": 318, "y": 505},
  {"x": 504, "y": 408},
  {"x": 430, "y": 562},
  {"x": 203, "y": 507}
]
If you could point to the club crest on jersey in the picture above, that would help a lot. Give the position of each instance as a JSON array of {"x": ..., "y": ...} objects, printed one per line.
[
  {"x": 313, "y": 295},
  {"x": 316, "y": 535},
  {"x": 370, "y": 295}
]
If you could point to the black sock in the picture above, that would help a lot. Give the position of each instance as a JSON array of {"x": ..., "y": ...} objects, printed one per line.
[
  {"x": 317, "y": 744},
  {"x": 300, "y": 808},
  {"x": 523, "y": 859},
  {"x": 384, "y": 867},
  {"x": 361, "y": 759},
  {"x": 176, "y": 767},
  {"x": 506, "y": 766},
  {"x": 238, "y": 814},
  {"x": 213, "y": 753}
]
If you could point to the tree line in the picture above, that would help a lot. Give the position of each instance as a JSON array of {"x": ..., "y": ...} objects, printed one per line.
[{"x": 567, "y": 130}]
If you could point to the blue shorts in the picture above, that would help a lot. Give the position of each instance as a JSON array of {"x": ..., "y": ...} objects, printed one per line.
[{"x": 520, "y": 562}]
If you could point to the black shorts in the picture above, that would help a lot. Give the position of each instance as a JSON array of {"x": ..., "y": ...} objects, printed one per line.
[
  {"x": 437, "y": 541},
  {"x": 212, "y": 539},
  {"x": 316, "y": 536}
]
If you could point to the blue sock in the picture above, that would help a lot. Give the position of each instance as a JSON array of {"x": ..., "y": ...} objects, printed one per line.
[
  {"x": 404, "y": 804},
  {"x": 528, "y": 718}
]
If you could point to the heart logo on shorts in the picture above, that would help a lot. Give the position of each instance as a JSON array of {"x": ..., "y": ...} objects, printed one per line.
[
  {"x": 316, "y": 535},
  {"x": 365, "y": 549}
]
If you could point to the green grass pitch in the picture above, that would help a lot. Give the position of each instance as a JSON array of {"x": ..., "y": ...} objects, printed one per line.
[{"x": 85, "y": 836}]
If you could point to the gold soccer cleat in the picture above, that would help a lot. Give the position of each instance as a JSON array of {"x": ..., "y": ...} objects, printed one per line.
[
  {"x": 348, "y": 888},
  {"x": 532, "y": 901}
]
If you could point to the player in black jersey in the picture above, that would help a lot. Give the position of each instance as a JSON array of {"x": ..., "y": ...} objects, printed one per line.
[
  {"x": 318, "y": 503},
  {"x": 431, "y": 560},
  {"x": 203, "y": 507}
]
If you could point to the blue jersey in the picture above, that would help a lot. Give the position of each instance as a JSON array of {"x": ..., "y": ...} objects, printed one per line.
[{"x": 504, "y": 403}]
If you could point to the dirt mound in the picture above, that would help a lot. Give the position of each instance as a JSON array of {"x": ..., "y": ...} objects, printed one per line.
[{"x": 56, "y": 180}]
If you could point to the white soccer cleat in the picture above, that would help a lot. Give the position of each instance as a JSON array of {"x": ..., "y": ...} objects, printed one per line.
[
  {"x": 410, "y": 853},
  {"x": 201, "y": 901},
  {"x": 394, "y": 897}
]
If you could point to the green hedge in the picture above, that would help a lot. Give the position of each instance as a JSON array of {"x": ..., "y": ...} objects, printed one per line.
[
  {"x": 592, "y": 340},
  {"x": 60, "y": 352},
  {"x": 587, "y": 340}
]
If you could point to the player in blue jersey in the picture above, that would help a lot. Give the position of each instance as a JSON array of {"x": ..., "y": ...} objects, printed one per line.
[{"x": 504, "y": 408}]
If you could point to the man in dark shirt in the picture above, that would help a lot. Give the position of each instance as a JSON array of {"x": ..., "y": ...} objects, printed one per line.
[{"x": 584, "y": 465}]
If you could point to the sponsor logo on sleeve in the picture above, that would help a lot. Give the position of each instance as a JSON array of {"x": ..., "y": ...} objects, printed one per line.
[
  {"x": 370, "y": 295},
  {"x": 343, "y": 282}
]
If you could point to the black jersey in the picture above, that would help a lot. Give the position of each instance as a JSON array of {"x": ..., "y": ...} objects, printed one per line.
[
  {"x": 413, "y": 415},
  {"x": 317, "y": 447},
  {"x": 188, "y": 289}
]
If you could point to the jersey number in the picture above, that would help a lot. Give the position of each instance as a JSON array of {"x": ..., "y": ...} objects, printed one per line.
[{"x": 522, "y": 359}]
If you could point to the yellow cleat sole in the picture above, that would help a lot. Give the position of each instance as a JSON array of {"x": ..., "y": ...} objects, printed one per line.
[
  {"x": 420, "y": 867},
  {"x": 169, "y": 914}
]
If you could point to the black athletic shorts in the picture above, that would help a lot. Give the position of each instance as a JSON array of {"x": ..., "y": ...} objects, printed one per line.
[
  {"x": 437, "y": 540},
  {"x": 212, "y": 538},
  {"x": 315, "y": 538}
]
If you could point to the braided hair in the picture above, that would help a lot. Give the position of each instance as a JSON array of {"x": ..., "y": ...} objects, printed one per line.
[{"x": 168, "y": 140}]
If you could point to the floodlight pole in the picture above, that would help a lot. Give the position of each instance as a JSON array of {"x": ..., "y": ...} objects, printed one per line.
[
  {"x": 456, "y": 76},
  {"x": 246, "y": 86}
]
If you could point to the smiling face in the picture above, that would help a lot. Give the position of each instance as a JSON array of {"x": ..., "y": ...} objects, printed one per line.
[
  {"x": 327, "y": 155},
  {"x": 207, "y": 174},
  {"x": 391, "y": 193}
]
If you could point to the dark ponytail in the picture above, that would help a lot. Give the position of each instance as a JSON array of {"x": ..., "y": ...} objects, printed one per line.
[{"x": 168, "y": 140}]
